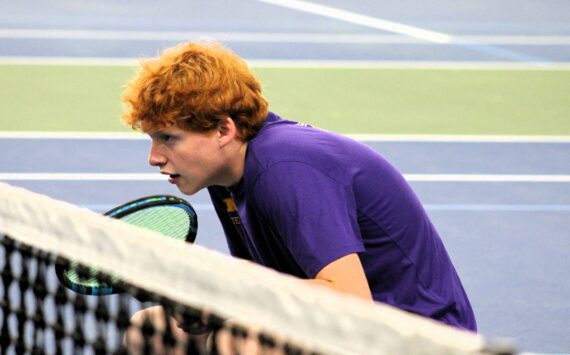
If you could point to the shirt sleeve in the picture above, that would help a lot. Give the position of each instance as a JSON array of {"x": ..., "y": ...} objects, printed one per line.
[{"x": 314, "y": 214}]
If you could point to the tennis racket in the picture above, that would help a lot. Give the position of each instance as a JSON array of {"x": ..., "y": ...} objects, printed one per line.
[{"x": 168, "y": 215}]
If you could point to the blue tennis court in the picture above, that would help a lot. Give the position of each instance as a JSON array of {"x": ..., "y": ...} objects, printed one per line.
[{"x": 501, "y": 207}]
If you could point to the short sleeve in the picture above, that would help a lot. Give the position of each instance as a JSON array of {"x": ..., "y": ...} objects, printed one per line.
[{"x": 313, "y": 213}]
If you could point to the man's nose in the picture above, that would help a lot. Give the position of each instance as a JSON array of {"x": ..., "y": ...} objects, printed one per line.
[{"x": 155, "y": 158}]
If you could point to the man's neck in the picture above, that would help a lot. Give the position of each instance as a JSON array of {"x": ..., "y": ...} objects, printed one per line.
[{"x": 236, "y": 164}]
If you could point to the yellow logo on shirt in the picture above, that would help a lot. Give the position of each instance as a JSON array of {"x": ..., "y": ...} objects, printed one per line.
[{"x": 230, "y": 205}]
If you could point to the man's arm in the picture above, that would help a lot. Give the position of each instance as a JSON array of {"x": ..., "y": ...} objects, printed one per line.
[{"x": 346, "y": 275}]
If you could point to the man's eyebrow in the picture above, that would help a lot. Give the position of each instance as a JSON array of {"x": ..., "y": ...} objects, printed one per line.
[{"x": 156, "y": 134}]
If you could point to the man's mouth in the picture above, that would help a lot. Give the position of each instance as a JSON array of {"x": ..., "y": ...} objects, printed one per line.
[{"x": 172, "y": 178}]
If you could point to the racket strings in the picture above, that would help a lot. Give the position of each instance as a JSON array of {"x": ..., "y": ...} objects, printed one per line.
[
  {"x": 177, "y": 221},
  {"x": 172, "y": 221}
]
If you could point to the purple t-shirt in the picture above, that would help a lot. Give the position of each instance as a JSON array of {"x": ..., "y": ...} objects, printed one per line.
[{"x": 309, "y": 197}]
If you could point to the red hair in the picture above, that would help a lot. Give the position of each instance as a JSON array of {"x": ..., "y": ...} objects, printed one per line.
[{"x": 195, "y": 86}]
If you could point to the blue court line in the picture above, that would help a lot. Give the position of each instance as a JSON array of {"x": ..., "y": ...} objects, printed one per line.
[
  {"x": 430, "y": 207},
  {"x": 504, "y": 53}
]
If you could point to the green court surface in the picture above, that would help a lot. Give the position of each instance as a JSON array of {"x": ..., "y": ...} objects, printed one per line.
[{"x": 373, "y": 101}]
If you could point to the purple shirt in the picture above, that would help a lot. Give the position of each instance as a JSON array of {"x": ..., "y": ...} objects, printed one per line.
[{"x": 309, "y": 197}]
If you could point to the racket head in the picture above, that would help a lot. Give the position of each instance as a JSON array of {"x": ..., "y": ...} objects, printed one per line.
[
  {"x": 165, "y": 214},
  {"x": 168, "y": 215}
]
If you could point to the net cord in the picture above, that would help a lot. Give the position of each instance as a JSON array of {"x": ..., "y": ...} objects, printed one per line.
[{"x": 315, "y": 317}]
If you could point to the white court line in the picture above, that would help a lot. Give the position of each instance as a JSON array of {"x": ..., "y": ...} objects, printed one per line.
[
  {"x": 515, "y": 40},
  {"x": 69, "y": 61},
  {"x": 457, "y": 138},
  {"x": 269, "y": 37},
  {"x": 82, "y": 177},
  {"x": 485, "y": 178},
  {"x": 368, "y": 21},
  {"x": 406, "y": 65},
  {"x": 159, "y": 177},
  {"x": 73, "y": 135},
  {"x": 357, "y": 136},
  {"x": 498, "y": 207},
  {"x": 251, "y": 37},
  {"x": 305, "y": 64},
  {"x": 208, "y": 207}
]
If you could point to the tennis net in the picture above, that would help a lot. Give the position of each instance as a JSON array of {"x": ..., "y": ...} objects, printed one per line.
[{"x": 248, "y": 308}]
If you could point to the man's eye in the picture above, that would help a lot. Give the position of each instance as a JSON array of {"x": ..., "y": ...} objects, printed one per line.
[
  {"x": 166, "y": 138},
  {"x": 162, "y": 138}
]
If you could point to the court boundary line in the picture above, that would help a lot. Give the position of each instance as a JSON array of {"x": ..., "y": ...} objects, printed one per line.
[
  {"x": 478, "y": 178},
  {"x": 303, "y": 64},
  {"x": 360, "y": 137},
  {"x": 500, "y": 207},
  {"x": 74, "y": 135},
  {"x": 436, "y": 138},
  {"x": 436, "y": 207},
  {"x": 273, "y": 37}
]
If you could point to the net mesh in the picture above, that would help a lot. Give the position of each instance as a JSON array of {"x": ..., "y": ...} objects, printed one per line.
[{"x": 196, "y": 300}]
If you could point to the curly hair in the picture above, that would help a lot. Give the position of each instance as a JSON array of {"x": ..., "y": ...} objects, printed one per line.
[{"x": 195, "y": 86}]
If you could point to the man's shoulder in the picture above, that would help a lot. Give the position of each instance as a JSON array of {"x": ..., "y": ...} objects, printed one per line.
[{"x": 286, "y": 140}]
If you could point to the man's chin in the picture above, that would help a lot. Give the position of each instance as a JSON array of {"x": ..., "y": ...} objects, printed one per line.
[{"x": 188, "y": 190}]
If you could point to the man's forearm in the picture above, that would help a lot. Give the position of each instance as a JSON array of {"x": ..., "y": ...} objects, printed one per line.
[{"x": 358, "y": 292}]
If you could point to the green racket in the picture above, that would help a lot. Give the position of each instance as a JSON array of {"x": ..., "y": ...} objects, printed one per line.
[{"x": 168, "y": 215}]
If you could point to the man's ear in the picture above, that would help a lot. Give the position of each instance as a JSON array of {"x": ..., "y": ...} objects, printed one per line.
[{"x": 227, "y": 131}]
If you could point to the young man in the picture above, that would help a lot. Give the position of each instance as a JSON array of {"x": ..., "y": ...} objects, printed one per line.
[{"x": 291, "y": 197}]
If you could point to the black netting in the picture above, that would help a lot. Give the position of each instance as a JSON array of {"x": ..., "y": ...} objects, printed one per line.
[{"x": 40, "y": 316}]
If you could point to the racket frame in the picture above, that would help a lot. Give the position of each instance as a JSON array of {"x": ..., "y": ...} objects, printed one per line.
[{"x": 118, "y": 213}]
